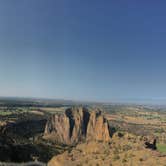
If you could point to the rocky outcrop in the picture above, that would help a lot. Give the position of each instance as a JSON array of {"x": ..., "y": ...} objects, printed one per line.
[
  {"x": 98, "y": 128},
  {"x": 77, "y": 124},
  {"x": 150, "y": 143},
  {"x": 56, "y": 131}
]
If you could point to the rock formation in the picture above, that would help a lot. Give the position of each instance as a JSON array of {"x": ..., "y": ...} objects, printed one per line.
[
  {"x": 77, "y": 124},
  {"x": 98, "y": 128},
  {"x": 150, "y": 143}
]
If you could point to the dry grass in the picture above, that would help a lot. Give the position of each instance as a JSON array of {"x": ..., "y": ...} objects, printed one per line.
[{"x": 121, "y": 151}]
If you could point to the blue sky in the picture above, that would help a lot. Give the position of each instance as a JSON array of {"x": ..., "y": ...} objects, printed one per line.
[{"x": 83, "y": 50}]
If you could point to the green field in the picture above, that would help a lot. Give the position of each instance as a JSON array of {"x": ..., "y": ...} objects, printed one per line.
[{"x": 161, "y": 148}]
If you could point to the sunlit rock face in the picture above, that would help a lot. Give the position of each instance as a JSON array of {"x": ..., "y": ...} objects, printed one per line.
[
  {"x": 77, "y": 124},
  {"x": 98, "y": 128}
]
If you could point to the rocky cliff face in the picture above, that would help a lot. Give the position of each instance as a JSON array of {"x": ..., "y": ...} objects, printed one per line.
[
  {"x": 77, "y": 124},
  {"x": 98, "y": 128}
]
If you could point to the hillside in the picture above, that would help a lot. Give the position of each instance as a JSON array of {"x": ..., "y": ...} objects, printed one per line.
[{"x": 123, "y": 150}]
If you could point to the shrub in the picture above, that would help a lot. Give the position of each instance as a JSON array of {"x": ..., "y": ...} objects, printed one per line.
[
  {"x": 116, "y": 157},
  {"x": 127, "y": 147},
  {"x": 124, "y": 160},
  {"x": 120, "y": 135}
]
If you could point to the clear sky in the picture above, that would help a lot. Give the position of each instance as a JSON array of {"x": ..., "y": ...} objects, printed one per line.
[{"x": 100, "y": 50}]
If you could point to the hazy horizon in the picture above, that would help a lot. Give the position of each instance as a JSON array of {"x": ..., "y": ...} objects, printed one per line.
[
  {"x": 155, "y": 102},
  {"x": 83, "y": 50}
]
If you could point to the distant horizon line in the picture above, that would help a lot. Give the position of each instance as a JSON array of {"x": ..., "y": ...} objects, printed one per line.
[{"x": 138, "y": 101}]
